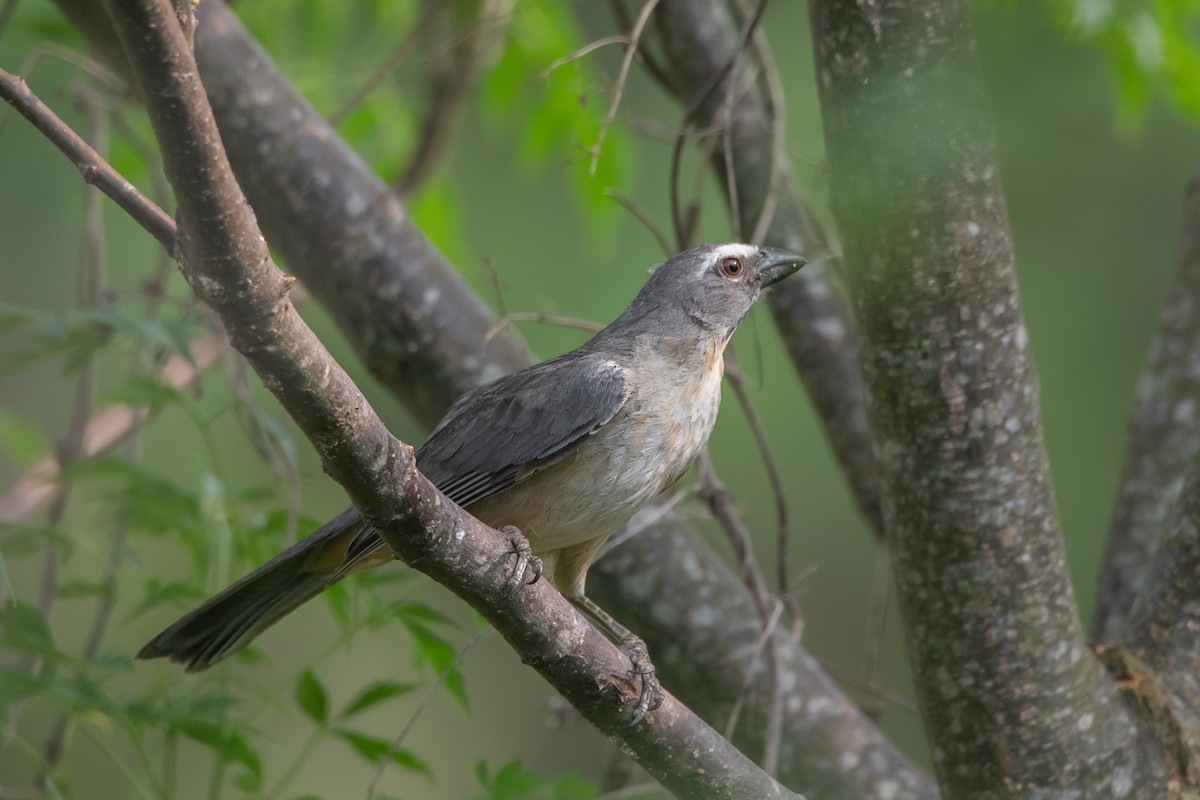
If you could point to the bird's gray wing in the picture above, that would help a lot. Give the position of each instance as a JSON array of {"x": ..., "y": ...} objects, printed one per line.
[{"x": 505, "y": 431}]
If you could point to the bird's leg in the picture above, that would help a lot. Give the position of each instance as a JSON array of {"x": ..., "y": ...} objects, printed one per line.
[
  {"x": 650, "y": 694},
  {"x": 525, "y": 560},
  {"x": 570, "y": 575}
]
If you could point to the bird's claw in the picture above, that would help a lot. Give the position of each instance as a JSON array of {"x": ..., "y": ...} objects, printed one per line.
[
  {"x": 650, "y": 692},
  {"x": 525, "y": 560}
]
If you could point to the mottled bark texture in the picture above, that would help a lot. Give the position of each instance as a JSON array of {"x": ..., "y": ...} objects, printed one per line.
[
  {"x": 1148, "y": 609},
  {"x": 1164, "y": 438},
  {"x": 829, "y": 749},
  {"x": 697, "y": 39},
  {"x": 226, "y": 261},
  {"x": 1014, "y": 702},
  {"x": 1159, "y": 657}
]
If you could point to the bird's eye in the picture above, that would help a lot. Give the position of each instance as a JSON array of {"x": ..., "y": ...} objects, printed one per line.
[{"x": 731, "y": 266}]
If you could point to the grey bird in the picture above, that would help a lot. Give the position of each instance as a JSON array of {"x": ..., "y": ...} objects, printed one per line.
[{"x": 565, "y": 451}]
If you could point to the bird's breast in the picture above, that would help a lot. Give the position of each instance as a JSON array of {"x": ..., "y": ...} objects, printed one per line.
[{"x": 643, "y": 450}]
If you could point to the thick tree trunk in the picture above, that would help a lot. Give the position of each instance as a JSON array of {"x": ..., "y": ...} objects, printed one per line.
[{"x": 1014, "y": 701}]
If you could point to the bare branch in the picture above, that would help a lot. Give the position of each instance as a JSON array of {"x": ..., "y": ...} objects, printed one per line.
[
  {"x": 631, "y": 47},
  {"x": 953, "y": 398},
  {"x": 588, "y": 48}
]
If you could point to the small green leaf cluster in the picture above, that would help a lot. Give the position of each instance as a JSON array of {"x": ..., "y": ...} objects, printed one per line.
[{"x": 1150, "y": 44}]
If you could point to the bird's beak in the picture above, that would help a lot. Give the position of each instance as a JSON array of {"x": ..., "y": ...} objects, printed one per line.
[{"x": 775, "y": 265}]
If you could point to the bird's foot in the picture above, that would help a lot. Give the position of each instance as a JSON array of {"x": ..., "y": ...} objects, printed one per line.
[
  {"x": 650, "y": 692},
  {"x": 525, "y": 560}
]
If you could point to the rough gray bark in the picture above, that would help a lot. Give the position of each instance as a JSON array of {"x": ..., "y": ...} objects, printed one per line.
[
  {"x": 1148, "y": 606},
  {"x": 1013, "y": 700},
  {"x": 1159, "y": 655},
  {"x": 698, "y": 38},
  {"x": 225, "y": 259},
  {"x": 1164, "y": 438}
]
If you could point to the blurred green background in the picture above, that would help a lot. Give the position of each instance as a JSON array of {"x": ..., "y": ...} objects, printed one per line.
[{"x": 1094, "y": 205}]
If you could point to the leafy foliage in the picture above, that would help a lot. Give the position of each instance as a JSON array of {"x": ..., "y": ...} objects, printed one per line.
[
  {"x": 1150, "y": 44},
  {"x": 513, "y": 782}
]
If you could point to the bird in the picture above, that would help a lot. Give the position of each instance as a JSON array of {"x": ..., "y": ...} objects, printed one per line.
[{"x": 565, "y": 451}]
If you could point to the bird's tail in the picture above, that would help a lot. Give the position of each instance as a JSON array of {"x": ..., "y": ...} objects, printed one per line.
[{"x": 231, "y": 619}]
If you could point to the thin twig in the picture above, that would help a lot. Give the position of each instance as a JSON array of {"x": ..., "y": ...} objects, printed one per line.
[
  {"x": 68, "y": 56},
  {"x": 453, "y": 70},
  {"x": 590, "y": 47},
  {"x": 546, "y": 319},
  {"x": 777, "y": 113},
  {"x": 416, "y": 714},
  {"x": 91, "y": 279},
  {"x": 720, "y": 504},
  {"x": 95, "y": 170},
  {"x": 635, "y": 36},
  {"x": 872, "y": 689},
  {"x": 625, "y": 22},
  {"x": 733, "y": 373},
  {"x": 399, "y": 53},
  {"x": 760, "y": 645},
  {"x": 643, "y": 217},
  {"x": 6, "y": 12},
  {"x": 694, "y": 107}
]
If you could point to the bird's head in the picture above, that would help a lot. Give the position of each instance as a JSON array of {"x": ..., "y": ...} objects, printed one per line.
[{"x": 713, "y": 286}]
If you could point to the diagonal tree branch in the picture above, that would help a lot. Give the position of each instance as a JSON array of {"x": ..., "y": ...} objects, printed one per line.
[
  {"x": 1004, "y": 677},
  {"x": 1164, "y": 438},
  {"x": 226, "y": 261}
]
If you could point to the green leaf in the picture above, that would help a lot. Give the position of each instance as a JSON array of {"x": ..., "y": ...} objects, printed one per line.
[
  {"x": 312, "y": 697},
  {"x": 23, "y": 628},
  {"x": 173, "y": 335},
  {"x": 248, "y": 782},
  {"x": 144, "y": 390},
  {"x": 440, "y": 655},
  {"x": 421, "y": 612},
  {"x": 374, "y": 749},
  {"x": 573, "y": 787},
  {"x": 512, "y": 781},
  {"x": 157, "y": 593},
  {"x": 23, "y": 441},
  {"x": 374, "y": 694},
  {"x": 27, "y": 540},
  {"x": 228, "y": 745},
  {"x": 18, "y": 684}
]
